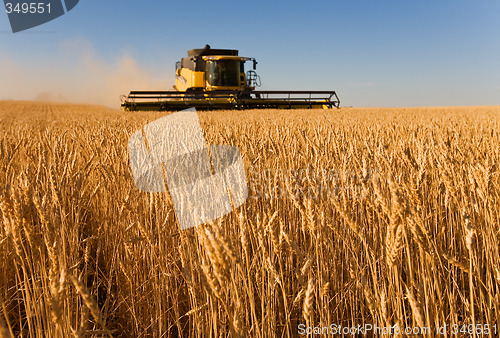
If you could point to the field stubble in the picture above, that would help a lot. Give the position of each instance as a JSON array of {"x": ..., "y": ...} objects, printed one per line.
[{"x": 354, "y": 216}]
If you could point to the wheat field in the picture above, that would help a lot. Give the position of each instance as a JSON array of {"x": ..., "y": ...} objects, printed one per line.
[{"x": 381, "y": 216}]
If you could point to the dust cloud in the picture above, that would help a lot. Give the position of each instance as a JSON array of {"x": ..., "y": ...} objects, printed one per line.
[{"x": 76, "y": 73}]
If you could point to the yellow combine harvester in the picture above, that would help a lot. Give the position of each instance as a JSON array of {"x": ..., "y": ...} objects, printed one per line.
[{"x": 215, "y": 79}]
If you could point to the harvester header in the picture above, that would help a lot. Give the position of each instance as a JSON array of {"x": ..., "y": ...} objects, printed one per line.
[{"x": 210, "y": 79}]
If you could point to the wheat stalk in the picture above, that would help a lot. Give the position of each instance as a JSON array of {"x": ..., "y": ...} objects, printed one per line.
[
  {"x": 88, "y": 300},
  {"x": 308, "y": 310}
]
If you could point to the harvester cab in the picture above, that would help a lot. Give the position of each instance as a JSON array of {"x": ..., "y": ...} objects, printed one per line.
[
  {"x": 210, "y": 79},
  {"x": 213, "y": 69}
]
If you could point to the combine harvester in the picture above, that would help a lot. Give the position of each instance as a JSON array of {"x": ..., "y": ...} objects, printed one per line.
[{"x": 209, "y": 79}]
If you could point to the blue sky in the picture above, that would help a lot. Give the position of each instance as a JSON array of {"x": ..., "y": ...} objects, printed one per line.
[{"x": 372, "y": 52}]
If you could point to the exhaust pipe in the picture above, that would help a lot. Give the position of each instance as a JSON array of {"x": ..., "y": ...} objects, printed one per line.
[{"x": 205, "y": 49}]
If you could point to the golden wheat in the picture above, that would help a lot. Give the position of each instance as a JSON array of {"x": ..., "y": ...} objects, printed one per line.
[{"x": 354, "y": 216}]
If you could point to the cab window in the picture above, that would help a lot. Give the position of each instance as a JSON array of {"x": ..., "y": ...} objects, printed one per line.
[{"x": 224, "y": 73}]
